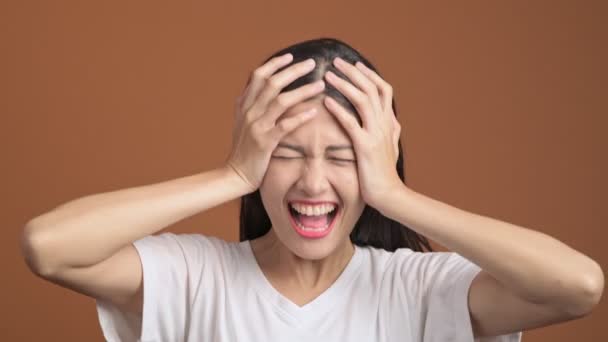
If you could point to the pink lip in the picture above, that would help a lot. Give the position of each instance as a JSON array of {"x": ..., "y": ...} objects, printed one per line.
[{"x": 314, "y": 234}]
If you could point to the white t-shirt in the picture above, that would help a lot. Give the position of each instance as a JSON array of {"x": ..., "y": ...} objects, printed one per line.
[{"x": 202, "y": 288}]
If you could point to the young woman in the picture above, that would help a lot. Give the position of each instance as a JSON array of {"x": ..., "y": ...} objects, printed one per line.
[{"x": 329, "y": 246}]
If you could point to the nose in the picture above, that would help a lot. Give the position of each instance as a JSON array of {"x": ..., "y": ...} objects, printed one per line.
[{"x": 313, "y": 179}]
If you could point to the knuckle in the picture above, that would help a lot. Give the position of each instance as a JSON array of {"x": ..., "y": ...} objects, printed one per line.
[
  {"x": 283, "y": 125},
  {"x": 273, "y": 83},
  {"x": 363, "y": 100},
  {"x": 388, "y": 89},
  {"x": 366, "y": 105},
  {"x": 258, "y": 74},
  {"x": 255, "y": 128},
  {"x": 259, "y": 77},
  {"x": 369, "y": 88},
  {"x": 357, "y": 101},
  {"x": 282, "y": 101},
  {"x": 249, "y": 115},
  {"x": 256, "y": 136},
  {"x": 350, "y": 124}
]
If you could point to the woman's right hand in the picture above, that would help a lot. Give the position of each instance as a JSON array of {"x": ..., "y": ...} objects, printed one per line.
[{"x": 256, "y": 131}]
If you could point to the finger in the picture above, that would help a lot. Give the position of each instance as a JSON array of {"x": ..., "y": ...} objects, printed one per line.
[
  {"x": 259, "y": 76},
  {"x": 360, "y": 80},
  {"x": 396, "y": 143},
  {"x": 287, "y": 125},
  {"x": 277, "y": 82},
  {"x": 396, "y": 123},
  {"x": 397, "y": 136},
  {"x": 359, "y": 99},
  {"x": 345, "y": 118},
  {"x": 285, "y": 100},
  {"x": 238, "y": 108},
  {"x": 396, "y": 148},
  {"x": 386, "y": 89}
]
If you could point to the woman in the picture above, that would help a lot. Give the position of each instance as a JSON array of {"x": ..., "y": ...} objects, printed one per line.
[{"x": 329, "y": 246}]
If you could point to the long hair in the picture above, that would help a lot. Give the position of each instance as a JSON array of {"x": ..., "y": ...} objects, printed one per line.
[{"x": 372, "y": 228}]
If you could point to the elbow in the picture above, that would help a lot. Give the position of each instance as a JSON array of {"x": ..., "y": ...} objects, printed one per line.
[
  {"x": 595, "y": 286},
  {"x": 32, "y": 244},
  {"x": 590, "y": 293}
]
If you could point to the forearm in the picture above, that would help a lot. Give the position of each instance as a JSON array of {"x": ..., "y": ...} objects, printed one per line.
[
  {"x": 534, "y": 265},
  {"x": 88, "y": 230}
]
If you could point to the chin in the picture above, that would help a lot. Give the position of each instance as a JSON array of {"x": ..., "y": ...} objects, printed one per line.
[{"x": 311, "y": 249}]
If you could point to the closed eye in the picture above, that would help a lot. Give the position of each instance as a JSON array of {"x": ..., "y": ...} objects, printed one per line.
[
  {"x": 336, "y": 159},
  {"x": 281, "y": 157},
  {"x": 344, "y": 160}
]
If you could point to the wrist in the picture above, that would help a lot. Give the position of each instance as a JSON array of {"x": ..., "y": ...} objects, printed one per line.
[
  {"x": 393, "y": 201},
  {"x": 237, "y": 179}
]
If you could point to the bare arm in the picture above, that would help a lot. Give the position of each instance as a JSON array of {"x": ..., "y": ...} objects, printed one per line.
[
  {"x": 87, "y": 244},
  {"x": 88, "y": 230}
]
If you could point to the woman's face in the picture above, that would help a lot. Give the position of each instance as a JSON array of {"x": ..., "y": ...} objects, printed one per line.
[{"x": 314, "y": 172}]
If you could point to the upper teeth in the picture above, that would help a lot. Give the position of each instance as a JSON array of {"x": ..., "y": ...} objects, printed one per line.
[{"x": 311, "y": 210}]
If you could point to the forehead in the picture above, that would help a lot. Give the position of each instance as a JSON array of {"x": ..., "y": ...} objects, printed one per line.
[{"x": 322, "y": 129}]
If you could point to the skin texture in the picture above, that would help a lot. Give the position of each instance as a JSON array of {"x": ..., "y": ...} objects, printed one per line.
[
  {"x": 297, "y": 265},
  {"x": 519, "y": 274}
]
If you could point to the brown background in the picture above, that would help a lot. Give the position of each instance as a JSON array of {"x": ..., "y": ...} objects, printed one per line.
[{"x": 503, "y": 104}]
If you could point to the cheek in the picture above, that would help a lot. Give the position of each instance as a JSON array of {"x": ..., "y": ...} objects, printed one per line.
[
  {"x": 278, "y": 176},
  {"x": 275, "y": 184},
  {"x": 346, "y": 184},
  {"x": 346, "y": 177}
]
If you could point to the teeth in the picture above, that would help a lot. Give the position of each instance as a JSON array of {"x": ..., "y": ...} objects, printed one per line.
[
  {"x": 312, "y": 229},
  {"x": 310, "y": 210}
]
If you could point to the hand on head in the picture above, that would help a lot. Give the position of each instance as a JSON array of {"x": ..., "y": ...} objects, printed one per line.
[{"x": 257, "y": 130}]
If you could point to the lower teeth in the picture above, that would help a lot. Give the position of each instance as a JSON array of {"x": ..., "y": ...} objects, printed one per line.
[{"x": 312, "y": 229}]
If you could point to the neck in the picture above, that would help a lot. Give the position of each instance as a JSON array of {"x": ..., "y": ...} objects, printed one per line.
[{"x": 282, "y": 265}]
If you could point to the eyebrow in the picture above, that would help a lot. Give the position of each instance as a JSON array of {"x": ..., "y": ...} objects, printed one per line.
[{"x": 328, "y": 148}]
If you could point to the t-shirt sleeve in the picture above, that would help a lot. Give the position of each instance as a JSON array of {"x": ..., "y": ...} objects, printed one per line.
[
  {"x": 442, "y": 285},
  {"x": 171, "y": 265}
]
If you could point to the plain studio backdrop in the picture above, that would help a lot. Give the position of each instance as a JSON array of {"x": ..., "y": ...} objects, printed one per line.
[{"x": 503, "y": 107}]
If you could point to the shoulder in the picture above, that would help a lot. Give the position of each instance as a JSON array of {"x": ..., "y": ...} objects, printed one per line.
[
  {"x": 387, "y": 260},
  {"x": 418, "y": 271},
  {"x": 381, "y": 264},
  {"x": 184, "y": 240},
  {"x": 408, "y": 260},
  {"x": 192, "y": 247}
]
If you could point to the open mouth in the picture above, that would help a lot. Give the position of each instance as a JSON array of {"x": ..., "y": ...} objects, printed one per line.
[{"x": 312, "y": 223}]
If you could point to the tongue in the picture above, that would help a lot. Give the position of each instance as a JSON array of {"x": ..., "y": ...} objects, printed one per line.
[{"x": 313, "y": 221}]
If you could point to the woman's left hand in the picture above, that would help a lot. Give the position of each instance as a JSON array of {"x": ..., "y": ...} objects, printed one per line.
[{"x": 376, "y": 142}]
